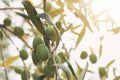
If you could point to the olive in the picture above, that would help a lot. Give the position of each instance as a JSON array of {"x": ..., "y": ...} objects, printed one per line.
[
  {"x": 7, "y": 21},
  {"x": 93, "y": 58},
  {"x": 18, "y": 31},
  {"x": 83, "y": 55},
  {"x": 23, "y": 54}
]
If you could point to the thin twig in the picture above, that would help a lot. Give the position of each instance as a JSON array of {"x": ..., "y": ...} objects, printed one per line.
[
  {"x": 5, "y": 69},
  {"x": 25, "y": 69},
  {"x": 11, "y": 40},
  {"x": 12, "y": 8}
]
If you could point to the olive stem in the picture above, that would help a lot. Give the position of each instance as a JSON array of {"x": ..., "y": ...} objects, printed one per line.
[
  {"x": 17, "y": 36},
  {"x": 4, "y": 64},
  {"x": 25, "y": 69},
  {"x": 11, "y": 40}
]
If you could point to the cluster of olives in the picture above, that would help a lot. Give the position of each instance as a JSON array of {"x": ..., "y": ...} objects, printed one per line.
[
  {"x": 41, "y": 51},
  {"x": 42, "y": 54},
  {"x": 92, "y": 57}
]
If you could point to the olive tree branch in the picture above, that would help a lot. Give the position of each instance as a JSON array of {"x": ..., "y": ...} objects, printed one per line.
[
  {"x": 4, "y": 64},
  {"x": 3, "y": 26}
]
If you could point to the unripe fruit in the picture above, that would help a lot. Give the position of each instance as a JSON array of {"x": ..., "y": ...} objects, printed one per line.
[
  {"x": 83, "y": 55},
  {"x": 18, "y": 70},
  {"x": 1, "y": 35},
  {"x": 59, "y": 25},
  {"x": 25, "y": 75},
  {"x": 35, "y": 75},
  {"x": 35, "y": 58},
  {"x": 18, "y": 31},
  {"x": 7, "y": 21},
  {"x": 93, "y": 58},
  {"x": 102, "y": 72},
  {"x": 57, "y": 60},
  {"x": 62, "y": 57},
  {"x": 37, "y": 41},
  {"x": 48, "y": 71},
  {"x": 42, "y": 52},
  {"x": 50, "y": 32},
  {"x": 23, "y": 54}
]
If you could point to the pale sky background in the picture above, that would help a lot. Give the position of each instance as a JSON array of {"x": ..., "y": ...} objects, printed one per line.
[{"x": 111, "y": 42}]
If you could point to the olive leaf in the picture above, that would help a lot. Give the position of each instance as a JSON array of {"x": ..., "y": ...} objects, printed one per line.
[
  {"x": 32, "y": 15},
  {"x": 65, "y": 70},
  {"x": 109, "y": 64},
  {"x": 100, "y": 50},
  {"x": 48, "y": 18},
  {"x": 81, "y": 35},
  {"x": 71, "y": 69},
  {"x": 22, "y": 15},
  {"x": 82, "y": 75},
  {"x": 10, "y": 60}
]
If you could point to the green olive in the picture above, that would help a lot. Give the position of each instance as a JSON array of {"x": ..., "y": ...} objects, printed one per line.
[
  {"x": 48, "y": 71},
  {"x": 35, "y": 58},
  {"x": 23, "y": 54},
  {"x": 7, "y": 21},
  {"x": 59, "y": 25},
  {"x": 18, "y": 70},
  {"x": 37, "y": 41},
  {"x": 93, "y": 58},
  {"x": 42, "y": 52},
  {"x": 25, "y": 75},
  {"x": 50, "y": 32},
  {"x": 57, "y": 60},
  {"x": 83, "y": 55},
  {"x": 18, "y": 31}
]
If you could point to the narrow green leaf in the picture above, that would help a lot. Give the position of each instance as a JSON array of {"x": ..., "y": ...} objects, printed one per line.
[
  {"x": 48, "y": 18},
  {"x": 109, "y": 64},
  {"x": 45, "y": 16},
  {"x": 65, "y": 70},
  {"x": 32, "y": 15},
  {"x": 71, "y": 69},
  {"x": 82, "y": 75},
  {"x": 114, "y": 71},
  {"x": 79, "y": 70},
  {"x": 100, "y": 50},
  {"x": 22, "y": 15},
  {"x": 81, "y": 35}
]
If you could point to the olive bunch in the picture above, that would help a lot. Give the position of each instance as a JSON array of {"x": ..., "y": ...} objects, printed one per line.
[
  {"x": 92, "y": 56},
  {"x": 42, "y": 54}
]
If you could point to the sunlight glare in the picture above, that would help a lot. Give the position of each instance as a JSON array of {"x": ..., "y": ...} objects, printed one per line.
[{"x": 111, "y": 6}]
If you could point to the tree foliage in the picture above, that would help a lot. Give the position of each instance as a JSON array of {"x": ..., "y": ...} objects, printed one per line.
[{"x": 41, "y": 31}]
